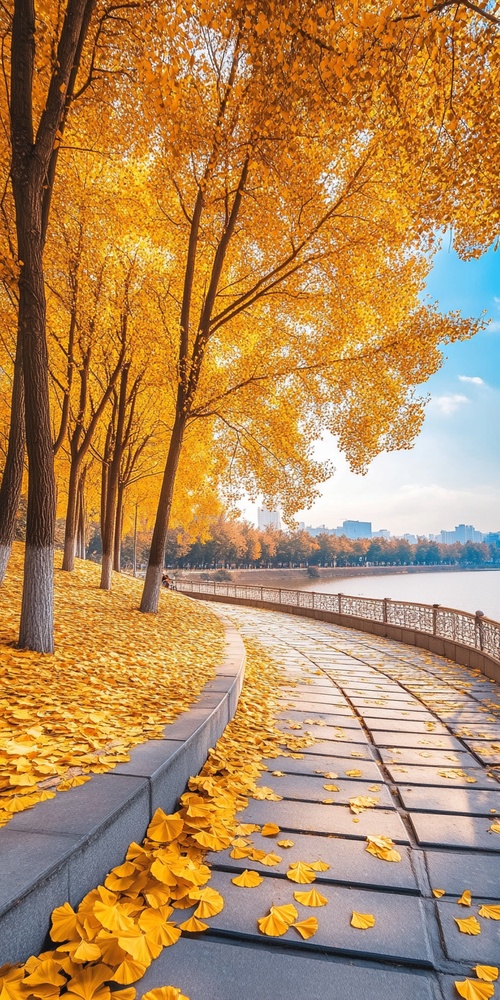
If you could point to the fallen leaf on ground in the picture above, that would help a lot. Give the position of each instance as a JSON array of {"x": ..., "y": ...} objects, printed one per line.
[
  {"x": 487, "y": 972},
  {"x": 306, "y": 928},
  {"x": 285, "y": 843},
  {"x": 301, "y": 872},
  {"x": 465, "y": 898},
  {"x": 490, "y": 912},
  {"x": 474, "y": 989},
  {"x": 362, "y": 920},
  {"x": 382, "y": 847},
  {"x": 438, "y": 893},
  {"x": 248, "y": 879},
  {"x": 270, "y": 830},
  {"x": 310, "y": 898},
  {"x": 470, "y": 925}
]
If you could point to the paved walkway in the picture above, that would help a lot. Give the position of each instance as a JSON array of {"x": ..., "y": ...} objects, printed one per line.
[{"x": 422, "y": 737}]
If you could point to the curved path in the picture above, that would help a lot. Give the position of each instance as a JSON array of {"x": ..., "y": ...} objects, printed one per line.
[{"x": 421, "y": 736}]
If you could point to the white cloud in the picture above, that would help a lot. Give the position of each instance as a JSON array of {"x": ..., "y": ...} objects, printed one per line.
[
  {"x": 471, "y": 378},
  {"x": 450, "y": 403}
]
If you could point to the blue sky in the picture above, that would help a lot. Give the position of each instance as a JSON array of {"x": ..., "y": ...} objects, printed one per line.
[{"x": 452, "y": 474}]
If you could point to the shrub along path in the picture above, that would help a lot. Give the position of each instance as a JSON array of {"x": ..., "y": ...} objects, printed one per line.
[{"x": 378, "y": 844}]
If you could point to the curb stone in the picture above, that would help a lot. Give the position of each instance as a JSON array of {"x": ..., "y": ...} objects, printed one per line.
[{"x": 61, "y": 849}]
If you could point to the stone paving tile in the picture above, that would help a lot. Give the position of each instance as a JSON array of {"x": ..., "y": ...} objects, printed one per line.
[
  {"x": 311, "y": 763},
  {"x": 309, "y": 721},
  {"x": 451, "y": 800},
  {"x": 349, "y": 861},
  {"x": 407, "y": 726},
  {"x": 333, "y": 819},
  {"x": 435, "y": 758},
  {"x": 399, "y": 933},
  {"x": 443, "y": 830},
  {"x": 483, "y": 947},
  {"x": 335, "y": 734},
  {"x": 488, "y": 755},
  {"x": 416, "y": 740},
  {"x": 390, "y": 703},
  {"x": 314, "y": 708},
  {"x": 312, "y": 789},
  {"x": 211, "y": 968},
  {"x": 396, "y": 715},
  {"x": 340, "y": 748},
  {"x": 414, "y": 775},
  {"x": 455, "y": 871}
]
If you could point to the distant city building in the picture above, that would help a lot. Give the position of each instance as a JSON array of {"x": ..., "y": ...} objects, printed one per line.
[
  {"x": 382, "y": 533},
  {"x": 412, "y": 539},
  {"x": 463, "y": 533},
  {"x": 355, "y": 529},
  {"x": 268, "y": 519}
]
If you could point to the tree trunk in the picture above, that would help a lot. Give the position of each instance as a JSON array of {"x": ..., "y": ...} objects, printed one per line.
[
  {"x": 152, "y": 583},
  {"x": 80, "y": 546},
  {"x": 109, "y": 526},
  {"x": 37, "y": 612},
  {"x": 135, "y": 542},
  {"x": 118, "y": 531},
  {"x": 10, "y": 490},
  {"x": 71, "y": 527}
]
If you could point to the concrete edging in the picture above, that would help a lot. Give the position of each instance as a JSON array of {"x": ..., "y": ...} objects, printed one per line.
[
  {"x": 457, "y": 651},
  {"x": 61, "y": 849}
]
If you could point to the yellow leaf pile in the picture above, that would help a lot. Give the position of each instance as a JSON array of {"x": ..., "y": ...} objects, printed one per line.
[
  {"x": 117, "y": 679},
  {"x": 382, "y": 847},
  {"x": 121, "y": 926},
  {"x": 359, "y": 803}
]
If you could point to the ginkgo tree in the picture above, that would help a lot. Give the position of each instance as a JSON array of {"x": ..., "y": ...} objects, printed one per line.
[{"x": 298, "y": 266}]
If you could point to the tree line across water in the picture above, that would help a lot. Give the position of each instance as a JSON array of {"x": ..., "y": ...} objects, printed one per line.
[
  {"x": 239, "y": 545},
  {"x": 216, "y": 224}
]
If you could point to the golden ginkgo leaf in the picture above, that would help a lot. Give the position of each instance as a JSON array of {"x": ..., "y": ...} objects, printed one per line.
[
  {"x": 438, "y": 893},
  {"x": 489, "y": 973},
  {"x": 465, "y": 898},
  {"x": 490, "y": 912},
  {"x": 278, "y": 774},
  {"x": 165, "y": 828},
  {"x": 319, "y": 866},
  {"x": 47, "y": 973},
  {"x": 270, "y": 859},
  {"x": 287, "y": 911},
  {"x": 331, "y": 788},
  {"x": 327, "y": 774},
  {"x": 163, "y": 993},
  {"x": 127, "y": 994},
  {"x": 193, "y": 926},
  {"x": 474, "y": 989},
  {"x": 88, "y": 983},
  {"x": 87, "y": 951},
  {"x": 248, "y": 879},
  {"x": 327, "y": 802},
  {"x": 210, "y": 902},
  {"x": 270, "y": 830},
  {"x": 306, "y": 928},
  {"x": 64, "y": 921},
  {"x": 382, "y": 847},
  {"x": 273, "y": 925},
  {"x": 129, "y": 971},
  {"x": 301, "y": 872},
  {"x": 374, "y": 788},
  {"x": 310, "y": 898},
  {"x": 354, "y": 773},
  {"x": 359, "y": 803},
  {"x": 470, "y": 925},
  {"x": 285, "y": 843},
  {"x": 362, "y": 920}
]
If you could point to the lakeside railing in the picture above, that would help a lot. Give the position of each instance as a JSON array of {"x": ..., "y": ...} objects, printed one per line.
[{"x": 475, "y": 631}]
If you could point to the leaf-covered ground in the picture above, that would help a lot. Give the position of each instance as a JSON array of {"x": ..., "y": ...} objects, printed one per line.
[
  {"x": 120, "y": 927},
  {"x": 116, "y": 679}
]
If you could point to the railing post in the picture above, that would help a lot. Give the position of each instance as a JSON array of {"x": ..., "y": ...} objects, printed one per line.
[
  {"x": 434, "y": 618},
  {"x": 479, "y": 628},
  {"x": 279, "y": 592},
  {"x": 339, "y": 599},
  {"x": 262, "y": 593},
  {"x": 384, "y": 609}
]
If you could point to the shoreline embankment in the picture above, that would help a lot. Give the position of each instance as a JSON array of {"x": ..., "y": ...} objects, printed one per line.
[{"x": 295, "y": 576}]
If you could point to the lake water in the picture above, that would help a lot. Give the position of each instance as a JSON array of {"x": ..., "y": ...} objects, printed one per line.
[{"x": 466, "y": 591}]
